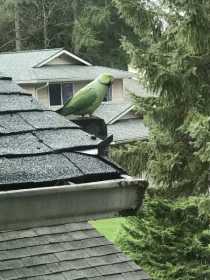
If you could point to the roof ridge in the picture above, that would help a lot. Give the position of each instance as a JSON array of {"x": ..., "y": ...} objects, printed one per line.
[{"x": 28, "y": 51}]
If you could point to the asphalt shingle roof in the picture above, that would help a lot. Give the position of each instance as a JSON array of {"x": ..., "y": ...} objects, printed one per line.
[
  {"x": 128, "y": 130},
  {"x": 110, "y": 111},
  {"x": 40, "y": 146},
  {"x": 123, "y": 129},
  {"x": 28, "y": 58},
  {"x": 20, "y": 66},
  {"x": 37, "y": 146},
  {"x": 63, "y": 252}
]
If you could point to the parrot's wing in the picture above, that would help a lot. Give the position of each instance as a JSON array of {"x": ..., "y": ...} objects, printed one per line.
[
  {"x": 82, "y": 100},
  {"x": 67, "y": 101},
  {"x": 62, "y": 109}
]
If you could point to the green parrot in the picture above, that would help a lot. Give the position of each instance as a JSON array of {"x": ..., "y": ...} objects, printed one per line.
[{"x": 89, "y": 98}]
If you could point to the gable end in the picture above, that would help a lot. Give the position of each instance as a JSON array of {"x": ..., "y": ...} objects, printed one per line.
[{"x": 63, "y": 57}]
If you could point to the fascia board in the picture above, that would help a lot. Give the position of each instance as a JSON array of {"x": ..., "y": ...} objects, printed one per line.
[
  {"x": 116, "y": 118},
  {"x": 127, "y": 141},
  {"x": 60, "y": 80}
]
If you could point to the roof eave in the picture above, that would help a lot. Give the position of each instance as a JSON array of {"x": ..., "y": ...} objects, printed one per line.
[
  {"x": 38, "y": 81},
  {"x": 79, "y": 202},
  {"x": 126, "y": 141},
  {"x": 119, "y": 116}
]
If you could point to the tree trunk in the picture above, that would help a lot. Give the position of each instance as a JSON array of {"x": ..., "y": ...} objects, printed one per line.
[
  {"x": 45, "y": 25},
  {"x": 18, "y": 39},
  {"x": 75, "y": 18}
]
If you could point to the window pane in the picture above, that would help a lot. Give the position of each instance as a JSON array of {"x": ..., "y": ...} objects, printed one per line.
[
  {"x": 108, "y": 97},
  {"x": 67, "y": 91},
  {"x": 55, "y": 94}
]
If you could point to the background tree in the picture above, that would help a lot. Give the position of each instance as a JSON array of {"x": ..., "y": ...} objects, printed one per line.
[
  {"x": 91, "y": 29},
  {"x": 171, "y": 49},
  {"x": 170, "y": 46},
  {"x": 170, "y": 239},
  {"x": 18, "y": 39}
]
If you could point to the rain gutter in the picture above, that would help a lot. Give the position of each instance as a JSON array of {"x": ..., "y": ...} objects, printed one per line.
[{"x": 76, "y": 202}]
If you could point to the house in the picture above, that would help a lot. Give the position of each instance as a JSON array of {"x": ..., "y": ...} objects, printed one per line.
[
  {"x": 50, "y": 186},
  {"x": 54, "y": 75},
  {"x": 135, "y": 87},
  {"x": 122, "y": 122}
]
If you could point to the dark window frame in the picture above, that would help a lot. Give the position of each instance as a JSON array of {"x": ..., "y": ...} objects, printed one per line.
[
  {"x": 61, "y": 92},
  {"x": 69, "y": 84},
  {"x": 54, "y": 96},
  {"x": 109, "y": 96}
]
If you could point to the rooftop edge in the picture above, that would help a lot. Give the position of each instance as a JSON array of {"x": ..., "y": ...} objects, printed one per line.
[{"x": 81, "y": 202}]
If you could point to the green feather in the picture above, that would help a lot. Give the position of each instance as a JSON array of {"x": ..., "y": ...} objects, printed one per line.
[{"x": 89, "y": 98}]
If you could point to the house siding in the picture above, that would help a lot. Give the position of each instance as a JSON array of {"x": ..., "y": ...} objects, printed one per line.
[
  {"x": 30, "y": 89},
  {"x": 117, "y": 91},
  {"x": 133, "y": 86},
  {"x": 43, "y": 96},
  {"x": 63, "y": 60},
  {"x": 40, "y": 91}
]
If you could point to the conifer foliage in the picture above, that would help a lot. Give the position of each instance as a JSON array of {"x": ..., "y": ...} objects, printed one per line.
[
  {"x": 170, "y": 47},
  {"x": 89, "y": 28},
  {"x": 132, "y": 157},
  {"x": 170, "y": 239}
]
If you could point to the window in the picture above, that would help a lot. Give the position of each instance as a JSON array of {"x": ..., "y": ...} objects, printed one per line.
[
  {"x": 55, "y": 94},
  {"x": 108, "y": 97},
  {"x": 67, "y": 91},
  {"x": 60, "y": 93}
]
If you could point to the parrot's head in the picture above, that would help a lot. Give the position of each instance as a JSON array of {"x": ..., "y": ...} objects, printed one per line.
[{"x": 106, "y": 79}]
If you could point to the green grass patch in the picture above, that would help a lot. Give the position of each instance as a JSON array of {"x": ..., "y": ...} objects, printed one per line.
[{"x": 110, "y": 228}]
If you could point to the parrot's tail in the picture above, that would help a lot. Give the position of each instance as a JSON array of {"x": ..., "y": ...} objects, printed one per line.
[
  {"x": 59, "y": 111},
  {"x": 64, "y": 111}
]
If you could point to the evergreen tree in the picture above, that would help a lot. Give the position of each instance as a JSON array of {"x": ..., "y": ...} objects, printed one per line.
[
  {"x": 171, "y": 49},
  {"x": 91, "y": 29},
  {"x": 133, "y": 157},
  {"x": 6, "y": 27},
  {"x": 170, "y": 46},
  {"x": 171, "y": 239}
]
